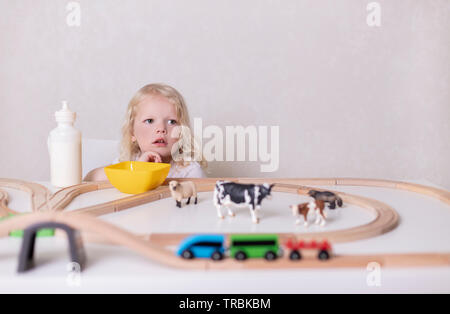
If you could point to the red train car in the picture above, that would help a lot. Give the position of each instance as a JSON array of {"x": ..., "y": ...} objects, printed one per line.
[{"x": 297, "y": 249}]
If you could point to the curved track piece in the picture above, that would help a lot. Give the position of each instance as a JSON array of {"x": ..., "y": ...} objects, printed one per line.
[
  {"x": 4, "y": 209},
  {"x": 60, "y": 199},
  {"x": 40, "y": 195}
]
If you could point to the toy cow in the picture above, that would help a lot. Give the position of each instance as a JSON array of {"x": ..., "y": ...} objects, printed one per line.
[
  {"x": 326, "y": 196},
  {"x": 304, "y": 208},
  {"x": 181, "y": 190},
  {"x": 240, "y": 195}
]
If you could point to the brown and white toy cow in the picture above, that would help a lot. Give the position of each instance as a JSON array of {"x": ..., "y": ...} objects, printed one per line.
[{"x": 303, "y": 209}]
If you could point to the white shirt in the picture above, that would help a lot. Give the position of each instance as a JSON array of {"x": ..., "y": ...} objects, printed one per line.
[{"x": 193, "y": 170}]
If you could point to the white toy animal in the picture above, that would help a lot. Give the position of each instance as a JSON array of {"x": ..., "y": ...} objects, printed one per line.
[{"x": 181, "y": 190}]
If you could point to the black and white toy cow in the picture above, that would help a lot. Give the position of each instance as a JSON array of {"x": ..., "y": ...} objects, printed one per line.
[{"x": 228, "y": 194}]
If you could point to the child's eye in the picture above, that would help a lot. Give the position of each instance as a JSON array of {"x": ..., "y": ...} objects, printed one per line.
[
  {"x": 172, "y": 122},
  {"x": 148, "y": 121}
]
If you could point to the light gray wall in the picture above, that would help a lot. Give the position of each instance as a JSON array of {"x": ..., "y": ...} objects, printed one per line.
[{"x": 351, "y": 100}]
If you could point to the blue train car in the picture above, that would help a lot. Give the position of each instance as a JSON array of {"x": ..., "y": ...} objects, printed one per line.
[{"x": 202, "y": 246}]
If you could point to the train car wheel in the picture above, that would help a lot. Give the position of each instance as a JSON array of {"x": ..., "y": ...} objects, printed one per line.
[
  {"x": 295, "y": 255},
  {"x": 216, "y": 256},
  {"x": 324, "y": 255},
  {"x": 187, "y": 254},
  {"x": 270, "y": 256},
  {"x": 240, "y": 256}
]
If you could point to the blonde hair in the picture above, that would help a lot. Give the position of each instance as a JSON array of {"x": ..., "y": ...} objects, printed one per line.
[{"x": 130, "y": 150}]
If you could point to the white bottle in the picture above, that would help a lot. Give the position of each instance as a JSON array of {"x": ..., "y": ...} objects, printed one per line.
[{"x": 64, "y": 146}]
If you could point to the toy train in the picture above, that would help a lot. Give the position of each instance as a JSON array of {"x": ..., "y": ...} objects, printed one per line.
[{"x": 244, "y": 246}]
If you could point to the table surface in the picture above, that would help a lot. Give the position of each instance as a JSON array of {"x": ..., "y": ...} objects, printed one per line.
[{"x": 423, "y": 228}]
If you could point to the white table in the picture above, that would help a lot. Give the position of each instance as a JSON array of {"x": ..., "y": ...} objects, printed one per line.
[{"x": 117, "y": 269}]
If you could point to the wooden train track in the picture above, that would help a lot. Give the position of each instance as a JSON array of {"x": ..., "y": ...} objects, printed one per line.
[
  {"x": 40, "y": 195},
  {"x": 48, "y": 207}
]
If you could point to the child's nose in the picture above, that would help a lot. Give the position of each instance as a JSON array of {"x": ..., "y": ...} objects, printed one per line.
[{"x": 161, "y": 130}]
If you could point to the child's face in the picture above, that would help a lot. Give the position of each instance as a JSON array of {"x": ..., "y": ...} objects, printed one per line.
[{"x": 154, "y": 125}]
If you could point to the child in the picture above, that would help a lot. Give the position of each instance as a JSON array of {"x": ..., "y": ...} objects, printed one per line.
[{"x": 156, "y": 128}]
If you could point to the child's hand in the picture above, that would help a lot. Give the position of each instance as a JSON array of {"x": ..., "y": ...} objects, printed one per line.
[{"x": 150, "y": 157}]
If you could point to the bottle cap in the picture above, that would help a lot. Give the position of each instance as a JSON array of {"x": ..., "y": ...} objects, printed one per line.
[{"x": 65, "y": 115}]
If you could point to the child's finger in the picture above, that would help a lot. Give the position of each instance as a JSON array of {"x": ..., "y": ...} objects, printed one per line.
[
  {"x": 157, "y": 157},
  {"x": 153, "y": 157}
]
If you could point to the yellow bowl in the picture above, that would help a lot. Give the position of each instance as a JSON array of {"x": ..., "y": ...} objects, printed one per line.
[{"x": 134, "y": 177}]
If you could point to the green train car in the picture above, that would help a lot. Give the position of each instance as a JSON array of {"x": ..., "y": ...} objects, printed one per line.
[{"x": 254, "y": 246}]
